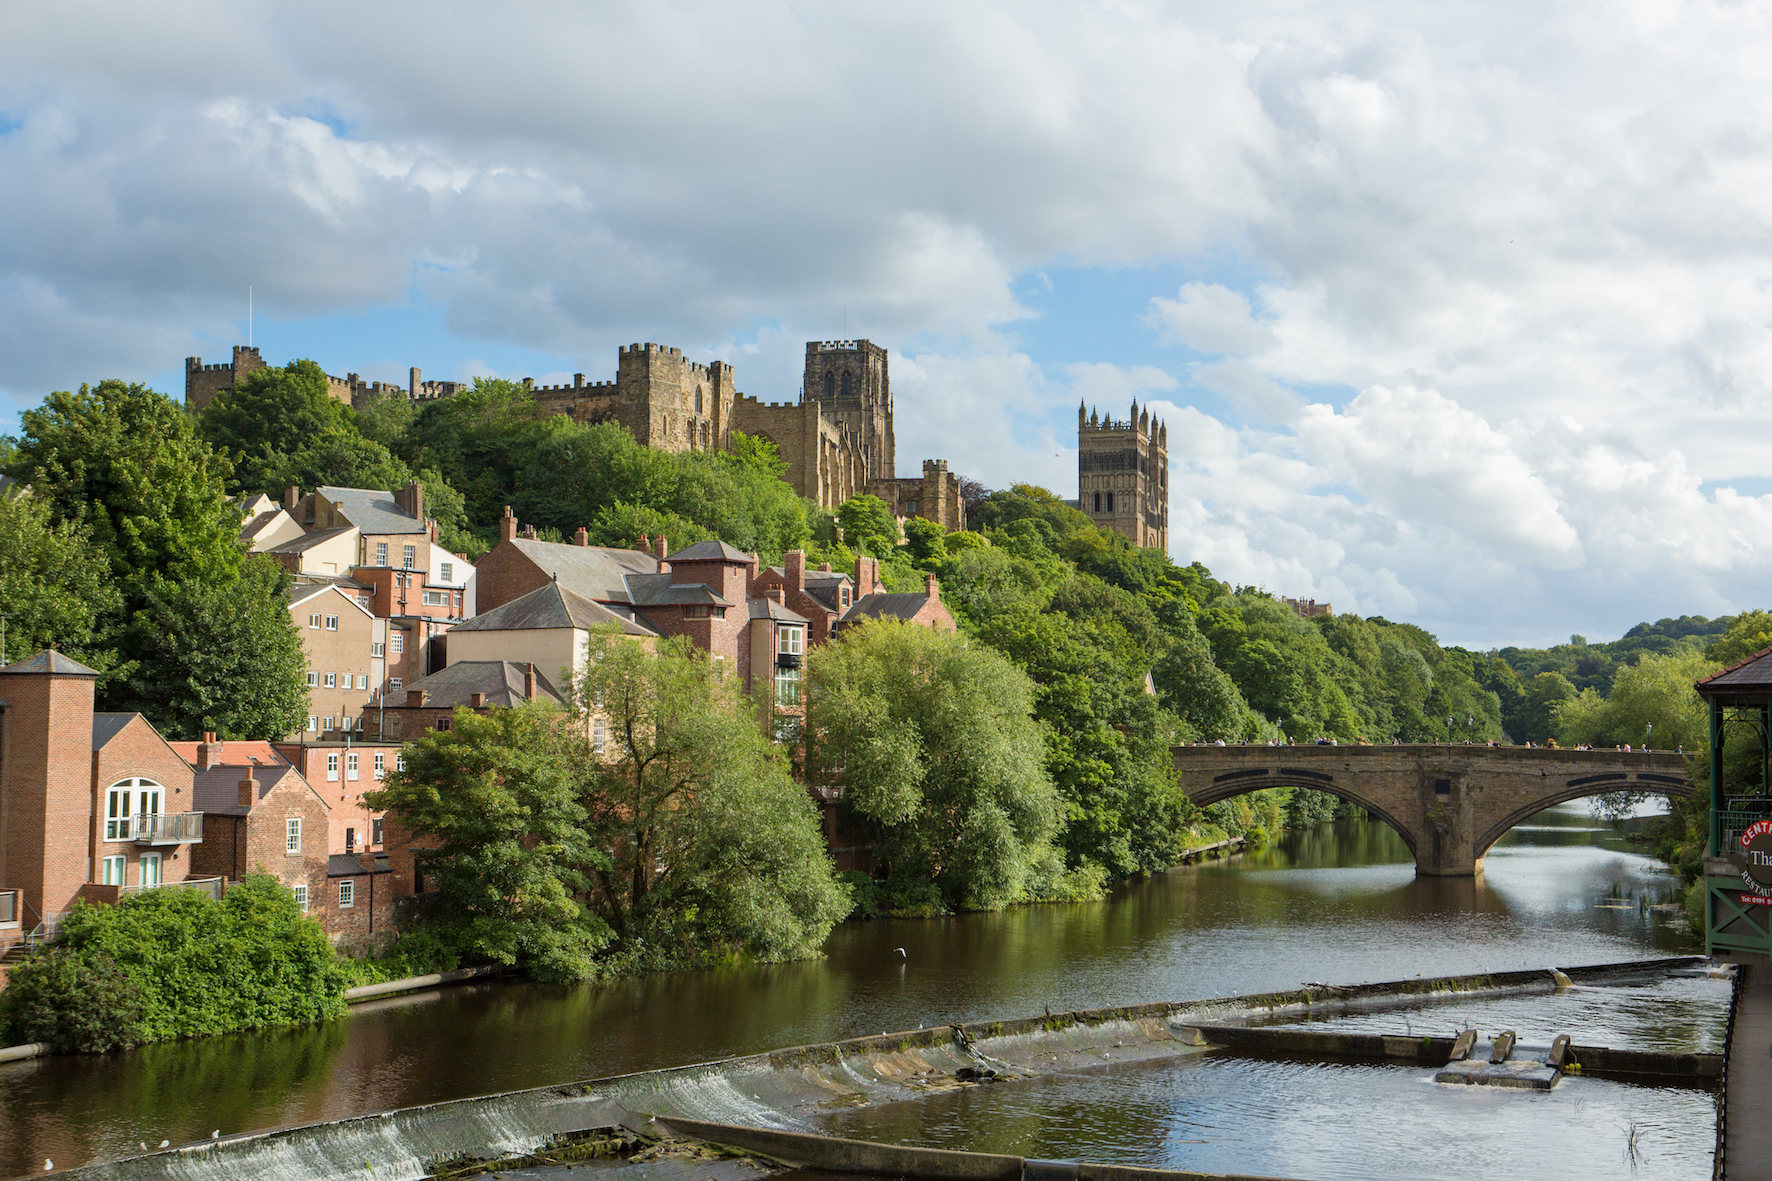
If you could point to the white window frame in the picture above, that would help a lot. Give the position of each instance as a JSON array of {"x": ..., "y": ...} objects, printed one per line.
[
  {"x": 381, "y": 765},
  {"x": 409, "y": 557},
  {"x": 377, "y": 648},
  {"x": 446, "y": 572},
  {"x": 381, "y": 553},
  {"x": 332, "y": 767},
  {"x": 787, "y": 686},
  {"x": 396, "y": 682},
  {"x": 113, "y": 871},
  {"x": 313, "y": 722},
  {"x": 375, "y": 830},
  {"x": 151, "y": 871},
  {"x": 313, "y": 680},
  {"x": 362, "y": 681},
  {"x": 347, "y": 894},
  {"x": 397, "y": 641},
  {"x": 300, "y": 890},
  {"x": 332, "y": 623},
  {"x": 790, "y": 639},
  {"x": 599, "y": 735},
  {"x": 400, "y": 761},
  {"x": 314, "y": 622},
  {"x": 331, "y": 681},
  {"x": 329, "y": 722},
  {"x": 436, "y": 598},
  {"x": 124, "y": 800},
  {"x": 351, "y": 765},
  {"x": 292, "y": 834}
]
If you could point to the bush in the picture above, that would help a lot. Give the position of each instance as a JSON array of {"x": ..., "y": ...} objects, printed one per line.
[
  {"x": 867, "y": 897},
  {"x": 74, "y": 1000},
  {"x": 193, "y": 965}
]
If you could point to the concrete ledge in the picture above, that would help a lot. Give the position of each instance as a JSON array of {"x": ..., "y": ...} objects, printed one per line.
[{"x": 365, "y": 992}]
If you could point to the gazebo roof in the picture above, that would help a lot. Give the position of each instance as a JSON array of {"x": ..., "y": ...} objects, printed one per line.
[{"x": 1751, "y": 677}]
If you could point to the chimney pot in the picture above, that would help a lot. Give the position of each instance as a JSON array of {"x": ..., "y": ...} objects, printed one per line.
[
  {"x": 582, "y": 537},
  {"x": 507, "y": 526},
  {"x": 477, "y": 700},
  {"x": 291, "y": 497},
  {"x": 529, "y": 682}
]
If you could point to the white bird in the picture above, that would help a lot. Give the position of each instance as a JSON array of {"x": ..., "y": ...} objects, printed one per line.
[
  {"x": 901, "y": 953},
  {"x": 215, "y": 1135},
  {"x": 165, "y": 1144},
  {"x": 144, "y": 1144},
  {"x": 48, "y": 1164}
]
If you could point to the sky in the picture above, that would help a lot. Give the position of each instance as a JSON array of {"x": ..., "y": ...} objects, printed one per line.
[{"x": 1456, "y": 313}]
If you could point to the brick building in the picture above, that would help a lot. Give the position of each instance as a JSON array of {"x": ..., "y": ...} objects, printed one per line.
[
  {"x": 346, "y": 654},
  {"x": 479, "y": 685},
  {"x": 98, "y": 805}
]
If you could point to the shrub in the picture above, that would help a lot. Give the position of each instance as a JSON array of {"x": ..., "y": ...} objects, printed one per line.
[{"x": 74, "y": 1000}]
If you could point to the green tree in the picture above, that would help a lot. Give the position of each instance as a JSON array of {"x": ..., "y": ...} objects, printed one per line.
[
  {"x": 926, "y": 540},
  {"x": 934, "y": 740},
  {"x": 714, "y": 847},
  {"x": 496, "y": 796},
  {"x": 52, "y": 594},
  {"x": 867, "y": 523},
  {"x": 226, "y": 658},
  {"x": 1657, "y": 691},
  {"x": 1750, "y": 633},
  {"x": 270, "y": 416}
]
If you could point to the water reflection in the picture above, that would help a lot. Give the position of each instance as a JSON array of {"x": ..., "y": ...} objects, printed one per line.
[{"x": 1338, "y": 903}]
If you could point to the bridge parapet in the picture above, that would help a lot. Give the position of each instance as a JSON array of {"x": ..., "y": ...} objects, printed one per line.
[{"x": 1449, "y": 803}]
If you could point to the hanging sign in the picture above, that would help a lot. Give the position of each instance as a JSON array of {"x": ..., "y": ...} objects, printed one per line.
[{"x": 1756, "y": 858}]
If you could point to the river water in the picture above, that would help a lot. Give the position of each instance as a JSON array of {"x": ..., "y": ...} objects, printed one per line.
[{"x": 1338, "y": 904}]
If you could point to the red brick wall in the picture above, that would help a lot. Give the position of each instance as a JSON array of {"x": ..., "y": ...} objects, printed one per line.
[
  {"x": 46, "y": 791},
  {"x": 265, "y": 841},
  {"x": 344, "y": 795},
  {"x": 503, "y": 573},
  {"x": 138, "y": 751},
  {"x": 367, "y": 925},
  {"x": 222, "y": 852}
]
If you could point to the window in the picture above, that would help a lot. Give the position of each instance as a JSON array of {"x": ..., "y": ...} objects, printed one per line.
[
  {"x": 126, "y": 799},
  {"x": 314, "y": 622},
  {"x": 351, "y": 765},
  {"x": 377, "y": 648},
  {"x": 375, "y": 832},
  {"x": 703, "y": 611},
  {"x": 350, "y": 840},
  {"x": 843, "y": 596},
  {"x": 698, "y": 401},
  {"x": 332, "y": 768},
  {"x": 446, "y": 571},
  {"x": 113, "y": 870},
  {"x": 848, "y": 383},
  {"x": 410, "y": 556},
  {"x": 326, "y": 724},
  {"x": 332, "y": 623},
  {"x": 331, "y": 680},
  {"x": 358, "y": 723},
  {"x": 396, "y": 682},
  {"x": 300, "y": 890},
  {"x": 790, "y": 640},
  {"x": 347, "y": 894},
  {"x": 599, "y": 735},
  {"x": 436, "y": 598},
  {"x": 381, "y": 765},
  {"x": 1098, "y": 502},
  {"x": 381, "y": 553},
  {"x": 400, "y": 761},
  {"x": 313, "y": 679},
  {"x": 362, "y": 680},
  {"x": 150, "y": 869},
  {"x": 442, "y": 723},
  {"x": 397, "y": 642},
  {"x": 292, "y": 835},
  {"x": 313, "y": 723},
  {"x": 1110, "y": 502},
  {"x": 787, "y": 686}
]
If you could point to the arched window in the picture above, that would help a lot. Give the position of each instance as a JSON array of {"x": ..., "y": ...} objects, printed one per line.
[
  {"x": 1098, "y": 502},
  {"x": 127, "y": 801},
  {"x": 848, "y": 383},
  {"x": 698, "y": 400},
  {"x": 830, "y": 385},
  {"x": 1110, "y": 502}
]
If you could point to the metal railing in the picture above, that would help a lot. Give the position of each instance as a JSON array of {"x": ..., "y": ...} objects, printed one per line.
[
  {"x": 167, "y": 828},
  {"x": 210, "y": 886}
]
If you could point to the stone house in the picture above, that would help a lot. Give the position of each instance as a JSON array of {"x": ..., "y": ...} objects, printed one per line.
[
  {"x": 346, "y": 648},
  {"x": 872, "y": 601},
  {"x": 548, "y": 628}
]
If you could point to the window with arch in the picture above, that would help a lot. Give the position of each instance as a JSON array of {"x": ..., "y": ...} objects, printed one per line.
[
  {"x": 124, "y": 801},
  {"x": 1098, "y": 502},
  {"x": 1110, "y": 502},
  {"x": 830, "y": 385},
  {"x": 698, "y": 400},
  {"x": 848, "y": 383}
]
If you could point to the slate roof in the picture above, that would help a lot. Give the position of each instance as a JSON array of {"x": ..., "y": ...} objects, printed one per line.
[
  {"x": 710, "y": 551},
  {"x": 767, "y": 608},
  {"x": 594, "y": 571},
  {"x": 657, "y": 590},
  {"x": 49, "y": 661},
  {"x": 350, "y": 865},
  {"x": 217, "y": 790},
  {"x": 259, "y": 524},
  {"x": 1749, "y": 675},
  {"x": 500, "y": 680},
  {"x": 107, "y": 726},
  {"x": 553, "y": 606},
  {"x": 307, "y": 541},
  {"x": 884, "y": 606},
  {"x": 372, "y": 510},
  {"x": 823, "y": 585}
]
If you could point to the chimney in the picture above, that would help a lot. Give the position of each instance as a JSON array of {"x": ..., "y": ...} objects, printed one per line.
[
  {"x": 208, "y": 751},
  {"x": 414, "y": 698},
  {"x": 246, "y": 792},
  {"x": 414, "y": 379},
  {"x": 291, "y": 497},
  {"x": 507, "y": 526},
  {"x": 477, "y": 700},
  {"x": 367, "y": 858},
  {"x": 824, "y": 567},
  {"x": 662, "y": 547},
  {"x": 776, "y": 594},
  {"x": 412, "y": 498},
  {"x": 582, "y": 537},
  {"x": 644, "y": 545},
  {"x": 529, "y": 681},
  {"x": 794, "y": 566},
  {"x": 934, "y": 590},
  {"x": 867, "y": 573}
]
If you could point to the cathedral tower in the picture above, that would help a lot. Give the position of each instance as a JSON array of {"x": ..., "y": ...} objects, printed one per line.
[
  {"x": 1123, "y": 475},
  {"x": 849, "y": 379}
]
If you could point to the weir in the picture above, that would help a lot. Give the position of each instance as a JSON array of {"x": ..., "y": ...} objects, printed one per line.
[{"x": 776, "y": 1099}]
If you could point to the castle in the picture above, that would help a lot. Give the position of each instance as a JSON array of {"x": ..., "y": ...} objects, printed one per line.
[
  {"x": 1123, "y": 475},
  {"x": 836, "y": 440}
]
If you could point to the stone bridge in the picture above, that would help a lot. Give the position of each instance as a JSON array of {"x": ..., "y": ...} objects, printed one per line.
[{"x": 1448, "y": 803}]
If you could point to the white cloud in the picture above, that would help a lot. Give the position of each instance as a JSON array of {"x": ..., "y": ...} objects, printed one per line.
[{"x": 1211, "y": 319}]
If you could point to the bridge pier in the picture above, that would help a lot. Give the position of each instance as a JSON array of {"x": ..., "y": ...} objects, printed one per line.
[{"x": 1448, "y": 803}]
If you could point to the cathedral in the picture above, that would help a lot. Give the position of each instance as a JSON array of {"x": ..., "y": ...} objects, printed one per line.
[{"x": 1123, "y": 474}]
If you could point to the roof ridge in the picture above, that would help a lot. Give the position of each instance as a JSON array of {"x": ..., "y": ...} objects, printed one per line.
[{"x": 1744, "y": 661}]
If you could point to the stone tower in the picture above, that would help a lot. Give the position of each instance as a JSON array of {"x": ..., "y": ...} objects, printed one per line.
[
  {"x": 849, "y": 379},
  {"x": 1123, "y": 475},
  {"x": 672, "y": 403},
  {"x": 204, "y": 382}
]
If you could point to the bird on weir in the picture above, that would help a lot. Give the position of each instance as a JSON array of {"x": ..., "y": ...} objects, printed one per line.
[{"x": 901, "y": 953}]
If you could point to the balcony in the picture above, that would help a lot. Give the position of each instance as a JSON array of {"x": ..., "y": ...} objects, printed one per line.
[{"x": 167, "y": 828}]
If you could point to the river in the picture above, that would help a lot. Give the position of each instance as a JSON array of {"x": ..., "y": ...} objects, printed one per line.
[{"x": 1339, "y": 903}]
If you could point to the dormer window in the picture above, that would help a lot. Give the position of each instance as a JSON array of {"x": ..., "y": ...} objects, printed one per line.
[
  {"x": 703, "y": 611},
  {"x": 843, "y": 595}
]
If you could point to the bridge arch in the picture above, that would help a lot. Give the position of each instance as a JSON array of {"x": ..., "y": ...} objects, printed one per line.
[
  {"x": 1241, "y": 784},
  {"x": 1579, "y": 788}
]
